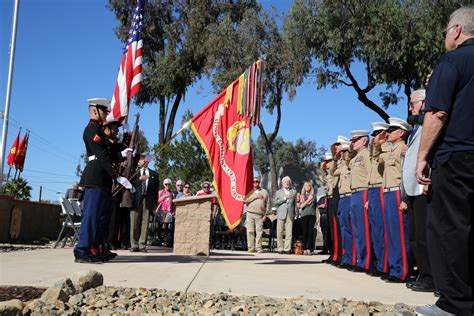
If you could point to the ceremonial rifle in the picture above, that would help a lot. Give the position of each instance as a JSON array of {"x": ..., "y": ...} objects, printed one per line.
[{"x": 127, "y": 195}]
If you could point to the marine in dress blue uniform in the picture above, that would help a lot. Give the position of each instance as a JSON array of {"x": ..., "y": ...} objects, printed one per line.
[{"x": 97, "y": 181}]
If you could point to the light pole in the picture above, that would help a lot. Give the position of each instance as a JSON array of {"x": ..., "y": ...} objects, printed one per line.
[{"x": 9, "y": 88}]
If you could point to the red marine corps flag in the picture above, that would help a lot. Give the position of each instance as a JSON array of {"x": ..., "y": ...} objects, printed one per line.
[
  {"x": 20, "y": 158},
  {"x": 13, "y": 151},
  {"x": 223, "y": 129}
]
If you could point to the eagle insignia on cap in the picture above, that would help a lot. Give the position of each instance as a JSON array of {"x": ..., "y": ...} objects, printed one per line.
[{"x": 96, "y": 138}]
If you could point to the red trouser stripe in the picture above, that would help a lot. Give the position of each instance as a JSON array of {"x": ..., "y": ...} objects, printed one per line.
[
  {"x": 336, "y": 240},
  {"x": 367, "y": 233},
  {"x": 385, "y": 257},
  {"x": 402, "y": 238},
  {"x": 354, "y": 251}
]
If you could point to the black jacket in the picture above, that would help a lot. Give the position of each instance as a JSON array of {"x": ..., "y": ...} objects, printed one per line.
[
  {"x": 98, "y": 172},
  {"x": 151, "y": 196}
]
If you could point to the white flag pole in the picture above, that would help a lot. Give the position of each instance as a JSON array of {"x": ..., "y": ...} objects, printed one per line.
[{"x": 9, "y": 87}]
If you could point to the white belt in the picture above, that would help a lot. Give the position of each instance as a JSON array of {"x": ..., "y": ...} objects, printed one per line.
[
  {"x": 93, "y": 157},
  {"x": 392, "y": 189}
]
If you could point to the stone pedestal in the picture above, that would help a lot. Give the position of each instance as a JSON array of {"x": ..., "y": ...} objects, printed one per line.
[{"x": 192, "y": 225}]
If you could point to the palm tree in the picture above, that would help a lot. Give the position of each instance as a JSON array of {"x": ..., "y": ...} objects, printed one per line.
[{"x": 17, "y": 188}]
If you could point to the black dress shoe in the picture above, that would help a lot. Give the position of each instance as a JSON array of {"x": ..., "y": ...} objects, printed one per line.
[
  {"x": 437, "y": 293},
  {"x": 357, "y": 269},
  {"x": 323, "y": 252},
  {"x": 374, "y": 273},
  {"x": 143, "y": 250},
  {"x": 384, "y": 276},
  {"x": 134, "y": 249},
  {"x": 345, "y": 266},
  {"x": 392, "y": 279},
  {"x": 422, "y": 287},
  {"x": 88, "y": 259}
]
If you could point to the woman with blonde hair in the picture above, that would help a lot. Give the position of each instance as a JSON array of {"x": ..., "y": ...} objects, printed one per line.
[{"x": 308, "y": 217}]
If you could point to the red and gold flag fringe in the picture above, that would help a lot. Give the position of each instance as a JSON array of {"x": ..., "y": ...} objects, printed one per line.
[{"x": 250, "y": 94}]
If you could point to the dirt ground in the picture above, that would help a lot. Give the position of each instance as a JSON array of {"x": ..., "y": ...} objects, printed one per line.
[{"x": 22, "y": 293}]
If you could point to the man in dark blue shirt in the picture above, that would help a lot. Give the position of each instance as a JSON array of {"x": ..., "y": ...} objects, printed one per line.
[{"x": 447, "y": 145}]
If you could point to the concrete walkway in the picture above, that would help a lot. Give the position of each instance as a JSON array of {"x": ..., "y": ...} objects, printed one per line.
[{"x": 234, "y": 272}]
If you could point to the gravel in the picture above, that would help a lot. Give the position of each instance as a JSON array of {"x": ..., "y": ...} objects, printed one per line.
[{"x": 104, "y": 300}]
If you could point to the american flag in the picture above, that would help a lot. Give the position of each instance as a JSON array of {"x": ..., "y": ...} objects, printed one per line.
[{"x": 130, "y": 74}]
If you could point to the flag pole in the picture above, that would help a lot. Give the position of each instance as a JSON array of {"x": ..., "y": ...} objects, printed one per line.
[{"x": 9, "y": 87}]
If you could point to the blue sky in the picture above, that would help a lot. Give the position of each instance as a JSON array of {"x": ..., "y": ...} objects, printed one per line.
[{"x": 67, "y": 52}]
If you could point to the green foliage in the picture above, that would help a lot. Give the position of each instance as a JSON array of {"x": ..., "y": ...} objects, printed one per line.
[
  {"x": 17, "y": 188},
  {"x": 176, "y": 47},
  {"x": 397, "y": 42},
  {"x": 301, "y": 154},
  {"x": 184, "y": 159}
]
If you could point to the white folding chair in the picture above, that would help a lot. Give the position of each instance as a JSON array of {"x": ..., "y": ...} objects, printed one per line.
[
  {"x": 68, "y": 211},
  {"x": 76, "y": 206}
]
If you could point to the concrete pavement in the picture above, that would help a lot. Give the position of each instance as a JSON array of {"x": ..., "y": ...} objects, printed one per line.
[{"x": 234, "y": 272}]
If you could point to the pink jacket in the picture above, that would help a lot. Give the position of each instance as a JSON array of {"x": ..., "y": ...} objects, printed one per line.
[{"x": 165, "y": 201}]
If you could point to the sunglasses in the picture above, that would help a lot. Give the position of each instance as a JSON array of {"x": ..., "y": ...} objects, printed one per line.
[
  {"x": 179, "y": 185},
  {"x": 256, "y": 181},
  {"x": 392, "y": 129},
  {"x": 167, "y": 183},
  {"x": 205, "y": 187},
  {"x": 186, "y": 187},
  {"x": 375, "y": 133}
]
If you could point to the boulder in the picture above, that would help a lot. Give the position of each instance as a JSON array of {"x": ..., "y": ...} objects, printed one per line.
[
  {"x": 66, "y": 285},
  {"x": 11, "y": 308},
  {"x": 85, "y": 280},
  {"x": 54, "y": 294}
]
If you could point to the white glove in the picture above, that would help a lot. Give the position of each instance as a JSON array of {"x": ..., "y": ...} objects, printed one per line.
[
  {"x": 126, "y": 127},
  {"x": 124, "y": 181},
  {"x": 132, "y": 190},
  {"x": 125, "y": 152}
]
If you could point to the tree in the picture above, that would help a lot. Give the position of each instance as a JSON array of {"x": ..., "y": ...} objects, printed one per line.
[
  {"x": 18, "y": 188},
  {"x": 184, "y": 159},
  {"x": 303, "y": 154},
  {"x": 397, "y": 42},
  {"x": 176, "y": 49}
]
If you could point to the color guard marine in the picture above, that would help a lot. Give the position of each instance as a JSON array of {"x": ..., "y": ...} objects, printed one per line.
[{"x": 97, "y": 180}]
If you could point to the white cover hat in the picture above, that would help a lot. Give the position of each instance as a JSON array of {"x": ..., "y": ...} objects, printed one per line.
[
  {"x": 346, "y": 146},
  {"x": 342, "y": 139},
  {"x": 399, "y": 123},
  {"x": 98, "y": 101},
  {"x": 328, "y": 156},
  {"x": 379, "y": 126},
  {"x": 359, "y": 133}
]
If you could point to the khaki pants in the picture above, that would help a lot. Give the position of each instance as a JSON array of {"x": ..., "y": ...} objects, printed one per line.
[
  {"x": 286, "y": 226},
  {"x": 139, "y": 219},
  {"x": 254, "y": 225}
]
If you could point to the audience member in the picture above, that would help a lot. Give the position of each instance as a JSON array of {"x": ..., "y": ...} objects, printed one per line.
[
  {"x": 144, "y": 201},
  {"x": 285, "y": 201},
  {"x": 257, "y": 206},
  {"x": 415, "y": 200},
  {"x": 447, "y": 146},
  {"x": 308, "y": 217}
]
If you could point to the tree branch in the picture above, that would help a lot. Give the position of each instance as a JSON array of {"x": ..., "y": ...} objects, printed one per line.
[
  {"x": 278, "y": 119},
  {"x": 162, "y": 118},
  {"x": 370, "y": 77},
  {"x": 171, "y": 119},
  {"x": 362, "y": 96},
  {"x": 347, "y": 84}
]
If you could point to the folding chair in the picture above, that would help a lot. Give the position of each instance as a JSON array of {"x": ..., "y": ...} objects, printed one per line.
[
  {"x": 76, "y": 207},
  {"x": 68, "y": 212}
]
